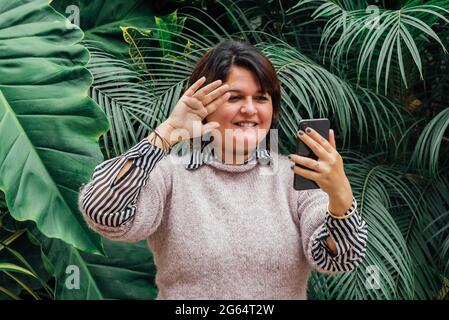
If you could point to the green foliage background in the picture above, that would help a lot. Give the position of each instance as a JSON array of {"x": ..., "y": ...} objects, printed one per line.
[{"x": 72, "y": 97}]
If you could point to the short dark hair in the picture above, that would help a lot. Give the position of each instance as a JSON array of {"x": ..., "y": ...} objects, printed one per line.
[{"x": 216, "y": 64}]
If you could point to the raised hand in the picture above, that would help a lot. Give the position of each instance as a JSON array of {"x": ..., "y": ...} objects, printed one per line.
[{"x": 195, "y": 104}]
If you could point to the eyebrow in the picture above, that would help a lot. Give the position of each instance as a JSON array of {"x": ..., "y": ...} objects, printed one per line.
[{"x": 239, "y": 91}]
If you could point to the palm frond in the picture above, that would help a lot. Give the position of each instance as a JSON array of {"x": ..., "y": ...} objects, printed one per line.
[
  {"x": 327, "y": 8},
  {"x": 124, "y": 97},
  {"x": 310, "y": 90},
  {"x": 381, "y": 38},
  {"x": 436, "y": 212},
  {"x": 426, "y": 154}
]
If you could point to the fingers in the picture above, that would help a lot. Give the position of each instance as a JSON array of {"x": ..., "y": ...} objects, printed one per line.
[
  {"x": 192, "y": 89},
  {"x": 332, "y": 138},
  {"x": 211, "y": 107},
  {"x": 201, "y": 93},
  {"x": 209, "y": 97},
  {"x": 194, "y": 103},
  {"x": 306, "y": 162},
  {"x": 215, "y": 94},
  {"x": 308, "y": 174},
  {"x": 316, "y": 148},
  {"x": 198, "y": 104},
  {"x": 320, "y": 139}
]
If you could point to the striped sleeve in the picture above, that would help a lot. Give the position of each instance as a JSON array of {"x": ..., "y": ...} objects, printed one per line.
[
  {"x": 112, "y": 203},
  {"x": 349, "y": 234}
]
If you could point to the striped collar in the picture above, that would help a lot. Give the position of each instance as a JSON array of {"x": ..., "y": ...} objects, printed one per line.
[{"x": 199, "y": 158}]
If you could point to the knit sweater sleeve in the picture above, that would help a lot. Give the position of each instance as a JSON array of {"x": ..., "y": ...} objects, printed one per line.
[
  {"x": 349, "y": 234},
  {"x": 110, "y": 206}
]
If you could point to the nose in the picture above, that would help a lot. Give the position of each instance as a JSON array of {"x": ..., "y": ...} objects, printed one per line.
[{"x": 249, "y": 107}]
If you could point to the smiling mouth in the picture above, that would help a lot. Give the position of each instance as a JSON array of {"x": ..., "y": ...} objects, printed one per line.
[{"x": 245, "y": 124}]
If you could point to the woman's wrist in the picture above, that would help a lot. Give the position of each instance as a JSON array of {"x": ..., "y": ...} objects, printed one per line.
[
  {"x": 339, "y": 204},
  {"x": 162, "y": 137}
]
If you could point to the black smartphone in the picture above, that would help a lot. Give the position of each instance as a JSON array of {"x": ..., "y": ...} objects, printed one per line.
[{"x": 322, "y": 126}]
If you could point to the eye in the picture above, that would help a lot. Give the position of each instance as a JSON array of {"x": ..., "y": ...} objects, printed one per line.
[
  {"x": 234, "y": 98},
  {"x": 262, "y": 98}
]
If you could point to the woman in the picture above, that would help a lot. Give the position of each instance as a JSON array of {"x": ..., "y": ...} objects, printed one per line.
[{"x": 217, "y": 227}]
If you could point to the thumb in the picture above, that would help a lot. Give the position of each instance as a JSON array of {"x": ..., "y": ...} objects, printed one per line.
[{"x": 209, "y": 126}]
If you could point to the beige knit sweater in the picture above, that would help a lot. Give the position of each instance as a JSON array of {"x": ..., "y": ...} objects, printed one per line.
[{"x": 225, "y": 231}]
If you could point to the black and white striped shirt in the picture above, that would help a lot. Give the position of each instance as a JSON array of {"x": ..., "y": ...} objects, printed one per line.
[{"x": 113, "y": 204}]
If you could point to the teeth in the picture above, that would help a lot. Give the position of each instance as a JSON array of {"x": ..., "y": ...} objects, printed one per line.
[{"x": 246, "y": 124}]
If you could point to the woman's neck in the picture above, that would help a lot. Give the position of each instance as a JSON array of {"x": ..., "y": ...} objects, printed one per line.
[{"x": 232, "y": 157}]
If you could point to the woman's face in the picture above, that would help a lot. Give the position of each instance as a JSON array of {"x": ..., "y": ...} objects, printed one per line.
[{"x": 246, "y": 104}]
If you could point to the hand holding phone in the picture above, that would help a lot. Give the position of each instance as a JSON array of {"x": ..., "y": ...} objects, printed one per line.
[{"x": 322, "y": 126}]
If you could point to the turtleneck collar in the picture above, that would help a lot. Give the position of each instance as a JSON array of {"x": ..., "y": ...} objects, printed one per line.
[{"x": 206, "y": 156}]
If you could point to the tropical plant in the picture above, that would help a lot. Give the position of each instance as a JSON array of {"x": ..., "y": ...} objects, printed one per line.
[{"x": 48, "y": 126}]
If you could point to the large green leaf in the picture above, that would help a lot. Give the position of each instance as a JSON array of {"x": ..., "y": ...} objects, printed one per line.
[
  {"x": 101, "y": 19},
  {"x": 48, "y": 125},
  {"x": 118, "y": 90},
  {"x": 126, "y": 272}
]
